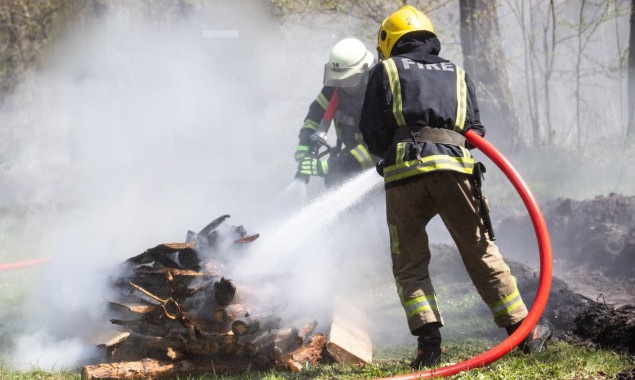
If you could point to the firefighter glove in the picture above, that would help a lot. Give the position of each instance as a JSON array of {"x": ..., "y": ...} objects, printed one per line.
[
  {"x": 313, "y": 166},
  {"x": 380, "y": 167},
  {"x": 301, "y": 152}
]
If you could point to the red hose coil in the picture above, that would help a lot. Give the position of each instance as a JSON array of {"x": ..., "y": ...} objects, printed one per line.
[{"x": 544, "y": 284}]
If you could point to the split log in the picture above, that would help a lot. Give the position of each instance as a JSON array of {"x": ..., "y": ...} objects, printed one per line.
[
  {"x": 259, "y": 344},
  {"x": 253, "y": 324},
  {"x": 348, "y": 341},
  {"x": 146, "y": 368},
  {"x": 213, "y": 225},
  {"x": 159, "y": 325},
  {"x": 109, "y": 338},
  {"x": 309, "y": 353},
  {"x": 286, "y": 340},
  {"x": 247, "y": 239},
  {"x": 155, "y": 369},
  {"x": 200, "y": 325},
  {"x": 229, "y": 345},
  {"x": 171, "y": 255},
  {"x": 207, "y": 346},
  {"x": 140, "y": 307}
]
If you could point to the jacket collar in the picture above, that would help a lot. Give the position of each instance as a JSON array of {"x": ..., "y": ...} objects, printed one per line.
[{"x": 424, "y": 50}]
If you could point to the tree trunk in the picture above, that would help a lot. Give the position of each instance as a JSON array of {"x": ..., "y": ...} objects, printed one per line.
[
  {"x": 631, "y": 74},
  {"x": 484, "y": 61}
]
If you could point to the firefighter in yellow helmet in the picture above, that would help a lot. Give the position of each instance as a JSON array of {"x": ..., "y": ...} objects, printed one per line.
[
  {"x": 417, "y": 108},
  {"x": 347, "y": 72}
]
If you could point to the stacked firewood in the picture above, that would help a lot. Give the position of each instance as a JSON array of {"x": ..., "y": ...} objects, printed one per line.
[{"x": 177, "y": 314}]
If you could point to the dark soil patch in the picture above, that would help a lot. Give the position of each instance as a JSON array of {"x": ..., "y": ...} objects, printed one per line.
[
  {"x": 576, "y": 318},
  {"x": 608, "y": 327},
  {"x": 596, "y": 234}
]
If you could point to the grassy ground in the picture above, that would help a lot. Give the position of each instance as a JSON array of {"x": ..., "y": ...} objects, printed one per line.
[{"x": 562, "y": 361}]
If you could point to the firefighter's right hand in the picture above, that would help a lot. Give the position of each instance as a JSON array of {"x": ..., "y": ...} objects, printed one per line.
[
  {"x": 300, "y": 152},
  {"x": 380, "y": 167},
  {"x": 313, "y": 167}
]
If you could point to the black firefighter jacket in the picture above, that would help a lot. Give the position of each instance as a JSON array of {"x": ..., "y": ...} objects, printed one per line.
[
  {"x": 413, "y": 89},
  {"x": 351, "y": 153}
]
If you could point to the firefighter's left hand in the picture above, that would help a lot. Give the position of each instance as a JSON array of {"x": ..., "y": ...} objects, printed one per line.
[
  {"x": 313, "y": 166},
  {"x": 301, "y": 152}
]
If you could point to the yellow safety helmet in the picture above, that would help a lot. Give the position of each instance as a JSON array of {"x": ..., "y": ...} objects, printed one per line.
[{"x": 407, "y": 19}]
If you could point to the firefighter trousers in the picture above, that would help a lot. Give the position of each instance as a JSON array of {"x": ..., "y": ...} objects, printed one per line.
[{"x": 449, "y": 194}]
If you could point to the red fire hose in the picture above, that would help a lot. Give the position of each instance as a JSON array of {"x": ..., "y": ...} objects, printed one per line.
[
  {"x": 544, "y": 283},
  {"x": 21, "y": 264}
]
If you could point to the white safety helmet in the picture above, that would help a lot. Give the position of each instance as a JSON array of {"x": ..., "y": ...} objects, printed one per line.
[{"x": 348, "y": 61}]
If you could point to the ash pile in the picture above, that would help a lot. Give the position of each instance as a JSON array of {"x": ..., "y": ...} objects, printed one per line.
[{"x": 175, "y": 313}]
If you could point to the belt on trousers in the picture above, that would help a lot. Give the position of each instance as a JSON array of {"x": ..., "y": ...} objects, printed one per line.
[{"x": 429, "y": 134}]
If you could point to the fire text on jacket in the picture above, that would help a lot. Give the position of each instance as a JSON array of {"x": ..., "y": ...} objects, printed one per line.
[{"x": 443, "y": 66}]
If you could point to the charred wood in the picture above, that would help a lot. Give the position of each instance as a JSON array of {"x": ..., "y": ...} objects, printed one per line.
[
  {"x": 230, "y": 313},
  {"x": 310, "y": 352},
  {"x": 253, "y": 324},
  {"x": 224, "y": 291}
]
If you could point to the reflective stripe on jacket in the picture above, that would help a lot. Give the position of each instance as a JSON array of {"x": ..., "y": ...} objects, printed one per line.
[
  {"x": 346, "y": 123},
  {"x": 413, "y": 90}
]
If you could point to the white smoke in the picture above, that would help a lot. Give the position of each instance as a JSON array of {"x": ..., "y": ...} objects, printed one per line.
[{"x": 135, "y": 131}]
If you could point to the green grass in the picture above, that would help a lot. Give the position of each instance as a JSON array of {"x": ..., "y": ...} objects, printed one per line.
[{"x": 561, "y": 361}]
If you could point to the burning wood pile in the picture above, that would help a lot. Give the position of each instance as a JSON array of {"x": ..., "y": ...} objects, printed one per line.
[{"x": 176, "y": 314}]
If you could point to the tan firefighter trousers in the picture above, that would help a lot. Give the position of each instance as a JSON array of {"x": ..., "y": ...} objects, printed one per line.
[{"x": 409, "y": 208}]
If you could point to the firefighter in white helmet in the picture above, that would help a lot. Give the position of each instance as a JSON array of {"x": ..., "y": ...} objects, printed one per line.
[{"x": 346, "y": 72}]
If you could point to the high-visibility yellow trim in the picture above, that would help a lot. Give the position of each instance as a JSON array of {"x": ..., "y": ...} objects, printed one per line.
[
  {"x": 416, "y": 305},
  {"x": 322, "y": 101},
  {"x": 461, "y": 100},
  {"x": 362, "y": 155},
  {"x": 428, "y": 164},
  {"x": 310, "y": 124},
  {"x": 394, "y": 240},
  {"x": 507, "y": 304},
  {"x": 401, "y": 152},
  {"x": 359, "y": 158},
  {"x": 395, "y": 88},
  {"x": 399, "y": 288}
]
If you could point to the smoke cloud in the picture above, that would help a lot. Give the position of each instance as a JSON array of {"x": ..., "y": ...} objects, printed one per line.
[{"x": 135, "y": 131}]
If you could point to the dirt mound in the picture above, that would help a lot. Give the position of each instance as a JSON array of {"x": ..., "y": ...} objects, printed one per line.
[
  {"x": 597, "y": 233},
  {"x": 608, "y": 327},
  {"x": 593, "y": 245}
]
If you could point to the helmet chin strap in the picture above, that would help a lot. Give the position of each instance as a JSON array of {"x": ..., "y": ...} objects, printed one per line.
[{"x": 380, "y": 55}]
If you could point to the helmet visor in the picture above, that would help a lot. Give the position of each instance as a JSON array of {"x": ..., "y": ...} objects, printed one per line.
[{"x": 343, "y": 77}]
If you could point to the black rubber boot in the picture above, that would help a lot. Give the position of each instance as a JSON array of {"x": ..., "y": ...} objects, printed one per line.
[
  {"x": 536, "y": 340},
  {"x": 428, "y": 346}
]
